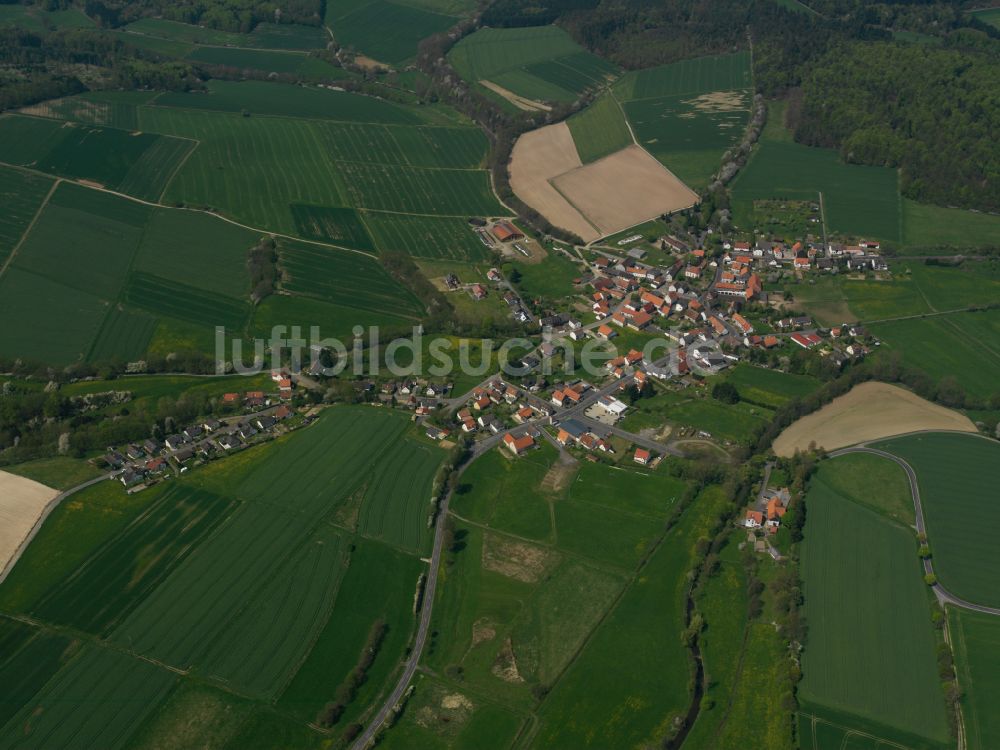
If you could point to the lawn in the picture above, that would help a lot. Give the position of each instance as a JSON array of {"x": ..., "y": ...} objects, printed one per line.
[
  {"x": 858, "y": 201},
  {"x": 736, "y": 422},
  {"x": 600, "y": 129},
  {"x": 635, "y": 654},
  {"x": 551, "y": 279},
  {"x": 957, "y": 475},
  {"x": 871, "y": 649},
  {"x": 975, "y": 639}
]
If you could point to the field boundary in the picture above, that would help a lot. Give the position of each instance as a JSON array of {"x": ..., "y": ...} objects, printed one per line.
[{"x": 27, "y": 229}]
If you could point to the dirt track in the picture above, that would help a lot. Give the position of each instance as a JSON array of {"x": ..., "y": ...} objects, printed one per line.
[
  {"x": 21, "y": 503},
  {"x": 870, "y": 411}
]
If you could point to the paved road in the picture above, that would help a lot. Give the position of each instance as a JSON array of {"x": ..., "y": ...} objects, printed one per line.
[{"x": 943, "y": 595}]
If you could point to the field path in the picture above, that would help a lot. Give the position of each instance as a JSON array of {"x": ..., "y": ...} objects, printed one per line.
[
  {"x": 171, "y": 208},
  {"x": 27, "y": 230},
  {"x": 943, "y": 595}
]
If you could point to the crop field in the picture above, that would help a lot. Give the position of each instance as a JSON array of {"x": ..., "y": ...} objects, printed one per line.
[
  {"x": 35, "y": 18},
  {"x": 383, "y": 30},
  {"x": 136, "y": 163},
  {"x": 333, "y": 275},
  {"x": 425, "y": 146},
  {"x": 858, "y": 201},
  {"x": 926, "y": 226},
  {"x": 976, "y": 642},
  {"x": 124, "y": 337},
  {"x": 871, "y": 650},
  {"x": 286, "y": 613},
  {"x": 397, "y": 505},
  {"x": 116, "y": 109},
  {"x": 957, "y": 476},
  {"x": 962, "y": 346},
  {"x": 294, "y": 63},
  {"x": 29, "y": 660},
  {"x": 184, "y": 302},
  {"x": 264, "y": 35},
  {"x": 97, "y": 700},
  {"x": 772, "y": 388},
  {"x": 96, "y": 596},
  {"x": 379, "y": 584},
  {"x": 420, "y": 191},
  {"x": 644, "y": 677},
  {"x": 436, "y": 237},
  {"x": 286, "y": 100},
  {"x": 687, "y": 114},
  {"x": 332, "y": 320},
  {"x": 989, "y": 15},
  {"x": 538, "y": 62},
  {"x": 22, "y": 194},
  {"x": 340, "y": 226},
  {"x": 600, "y": 129}
]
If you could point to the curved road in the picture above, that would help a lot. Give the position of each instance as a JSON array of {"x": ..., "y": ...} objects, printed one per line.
[{"x": 943, "y": 595}]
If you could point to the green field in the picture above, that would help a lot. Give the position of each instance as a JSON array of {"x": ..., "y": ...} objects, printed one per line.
[
  {"x": 926, "y": 226},
  {"x": 989, "y": 15},
  {"x": 600, "y": 129},
  {"x": 264, "y": 35},
  {"x": 303, "y": 66},
  {"x": 140, "y": 164},
  {"x": 771, "y": 388},
  {"x": 22, "y": 194},
  {"x": 857, "y": 200},
  {"x": 551, "y": 279},
  {"x": 957, "y": 477},
  {"x": 975, "y": 639},
  {"x": 384, "y": 30},
  {"x": 871, "y": 647},
  {"x": 687, "y": 114},
  {"x": 433, "y": 237},
  {"x": 60, "y": 472},
  {"x": 35, "y": 18},
  {"x": 538, "y": 62}
]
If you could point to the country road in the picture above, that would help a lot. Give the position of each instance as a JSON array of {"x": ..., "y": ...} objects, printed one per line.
[{"x": 943, "y": 595}]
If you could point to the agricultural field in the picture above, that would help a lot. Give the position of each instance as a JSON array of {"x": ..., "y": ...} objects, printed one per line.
[
  {"x": 115, "y": 109},
  {"x": 934, "y": 227},
  {"x": 433, "y": 237},
  {"x": 989, "y": 15},
  {"x": 957, "y": 475},
  {"x": 384, "y": 30},
  {"x": 59, "y": 472},
  {"x": 35, "y": 18},
  {"x": 871, "y": 649},
  {"x": 264, "y": 36},
  {"x": 975, "y": 639},
  {"x": 301, "y": 65},
  {"x": 770, "y": 388},
  {"x": 22, "y": 194},
  {"x": 540, "y": 63},
  {"x": 687, "y": 114},
  {"x": 139, "y": 164},
  {"x": 857, "y": 200},
  {"x": 644, "y": 677},
  {"x": 600, "y": 129}
]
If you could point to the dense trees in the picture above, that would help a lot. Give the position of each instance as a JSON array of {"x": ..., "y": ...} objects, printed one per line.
[{"x": 931, "y": 111}]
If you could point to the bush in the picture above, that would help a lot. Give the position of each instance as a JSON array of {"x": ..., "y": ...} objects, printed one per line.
[{"x": 726, "y": 393}]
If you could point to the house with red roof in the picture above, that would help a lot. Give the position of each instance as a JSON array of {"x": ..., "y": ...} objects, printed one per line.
[{"x": 518, "y": 445}]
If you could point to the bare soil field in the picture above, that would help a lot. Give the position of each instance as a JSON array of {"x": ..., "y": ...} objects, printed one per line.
[
  {"x": 515, "y": 559},
  {"x": 538, "y": 157},
  {"x": 528, "y": 105},
  {"x": 869, "y": 411},
  {"x": 626, "y": 188},
  {"x": 22, "y": 502}
]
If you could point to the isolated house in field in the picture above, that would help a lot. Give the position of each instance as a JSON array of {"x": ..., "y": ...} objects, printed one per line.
[
  {"x": 641, "y": 456},
  {"x": 518, "y": 445}
]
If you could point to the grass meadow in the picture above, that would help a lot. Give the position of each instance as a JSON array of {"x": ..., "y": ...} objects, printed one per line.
[
  {"x": 770, "y": 388},
  {"x": 975, "y": 638},
  {"x": 871, "y": 650},
  {"x": 857, "y": 200},
  {"x": 957, "y": 477}
]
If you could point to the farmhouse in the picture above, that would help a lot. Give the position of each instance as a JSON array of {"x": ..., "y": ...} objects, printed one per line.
[{"x": 507, "y": 232}]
